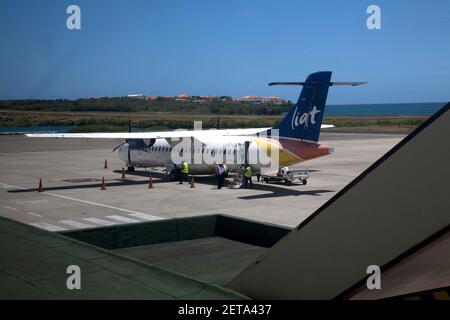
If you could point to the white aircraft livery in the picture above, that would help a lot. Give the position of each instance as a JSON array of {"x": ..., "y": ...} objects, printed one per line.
[{"x": 293, "y": 140}]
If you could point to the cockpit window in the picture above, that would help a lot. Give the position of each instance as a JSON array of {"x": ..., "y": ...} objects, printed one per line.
[{"x": 136, "y": 143}]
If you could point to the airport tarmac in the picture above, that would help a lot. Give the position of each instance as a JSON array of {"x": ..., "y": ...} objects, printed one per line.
[{"x": 71, "y": 171}]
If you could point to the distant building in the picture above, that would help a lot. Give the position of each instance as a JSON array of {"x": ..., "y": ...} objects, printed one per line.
[
  {"x": 184, "y": 97},
  {"x": 136, "y": 96},
  {"x": 276, "y": 100},
  {"x": 252, "y": 99},
  {"x": 261, "y": 100}
]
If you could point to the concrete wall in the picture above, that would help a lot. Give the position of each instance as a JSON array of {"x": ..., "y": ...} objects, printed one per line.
[
  {"x": 249, "y": 231},
  {"x": 138, "y": 234},
  {"x": 398, "y": 202}
]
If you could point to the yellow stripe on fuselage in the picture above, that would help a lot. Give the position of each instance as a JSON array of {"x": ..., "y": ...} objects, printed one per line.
[{"x": 286, "y": 158}]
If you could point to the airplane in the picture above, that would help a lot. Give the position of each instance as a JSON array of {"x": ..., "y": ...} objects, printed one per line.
[{"x": 295, "y": 139}]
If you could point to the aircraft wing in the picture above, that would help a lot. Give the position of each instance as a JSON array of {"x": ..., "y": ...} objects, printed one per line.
[
  {"x": 156, "y": 135},
  {"x": 150, "y": 135}
]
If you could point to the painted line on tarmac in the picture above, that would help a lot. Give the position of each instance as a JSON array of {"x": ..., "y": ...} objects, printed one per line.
[
  {"x": 76, "y": 224},
  {"x": 123, "y": 219},
  {"x": 47, "y": 226},
  {"x": 34, "y": 214},
  {"x": 10, "y": 208},
  {"x": 100, "y": 221},
  {"x": 94, "y": 203},
  {"x": 145, "y": 216},
  {"x": 8, "y": 186}
]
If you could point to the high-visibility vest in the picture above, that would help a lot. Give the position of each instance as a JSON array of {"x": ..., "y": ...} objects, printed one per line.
[
  {"x": 248, "y": 172},
  {"x": 185, "y": 167}
]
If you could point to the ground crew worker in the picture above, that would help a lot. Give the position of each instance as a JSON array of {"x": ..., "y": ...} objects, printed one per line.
[
  {"x": 220, "y": 174},
  {"x": 184, "y": 172},
  {"x": 241, "y": 173},
  {"x": 248, "y": 176}
]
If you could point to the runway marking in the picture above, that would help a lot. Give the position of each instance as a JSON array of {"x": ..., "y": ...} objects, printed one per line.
[
  {"x": 94, "y": 203},
  {"x": 76, "y": 224},
  {"x": 33, "y": 202},
  {"x": 34, "y": 214},
  {"x": 123, "y": 219},
  {"x": 145, "y": 216},
  {"x": 47, "y": 226},
  {"x": 10, "y": 208},
  {"x": 8, "y": 186},
  {"x": 100, "y": 221}
]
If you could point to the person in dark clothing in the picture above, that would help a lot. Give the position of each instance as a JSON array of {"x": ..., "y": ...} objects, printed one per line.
[{"x": 220, "y": 174}]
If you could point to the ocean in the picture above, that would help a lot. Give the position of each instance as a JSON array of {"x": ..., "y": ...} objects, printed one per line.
[{"x": 385, "y": 109}]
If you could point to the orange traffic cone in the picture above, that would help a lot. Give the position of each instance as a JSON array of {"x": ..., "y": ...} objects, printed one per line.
[
  {"x": 123, "y": 173},
  {"x": 103, "y": 186},
  {"x": 192, "y": 182},
  {"x": 106, "y": 164},
  {"x": 40, "y": 187},
  {"x": 150, "y": 182}
]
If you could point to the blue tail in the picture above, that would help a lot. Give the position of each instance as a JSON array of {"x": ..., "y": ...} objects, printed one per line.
[{"x": 305, "y": 119}]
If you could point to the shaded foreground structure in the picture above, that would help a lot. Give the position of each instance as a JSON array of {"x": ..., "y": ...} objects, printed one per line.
[
  {"x": 33, "y": 265},
  {"x": 391, "y": 208},
  {"x": 396, "y": 214}
]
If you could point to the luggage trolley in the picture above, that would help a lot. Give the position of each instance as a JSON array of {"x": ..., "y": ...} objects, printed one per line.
[{"x": 288, "y": 176}]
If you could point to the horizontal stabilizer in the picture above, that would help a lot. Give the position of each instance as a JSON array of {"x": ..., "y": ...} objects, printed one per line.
[{"x": 309, "y": 83}]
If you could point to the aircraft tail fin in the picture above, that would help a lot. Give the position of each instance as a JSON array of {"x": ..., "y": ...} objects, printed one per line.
[{"x": 305, "y": 119}]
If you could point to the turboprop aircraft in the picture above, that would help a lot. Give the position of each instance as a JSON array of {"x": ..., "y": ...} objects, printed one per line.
[{"x": 293, "y": 140}]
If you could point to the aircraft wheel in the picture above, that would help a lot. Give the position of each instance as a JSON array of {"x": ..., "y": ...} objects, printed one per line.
[
  {"x": 304, "y": 181},
  {"x": 288, "y": 182},
  {"x": 131, "y": 169}
]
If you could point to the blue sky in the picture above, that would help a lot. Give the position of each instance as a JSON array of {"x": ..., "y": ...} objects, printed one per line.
[{"x": 224, "y": 48}]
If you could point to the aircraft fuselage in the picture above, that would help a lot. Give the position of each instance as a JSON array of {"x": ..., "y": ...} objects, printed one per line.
[{"x": 203, "y": 158}]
